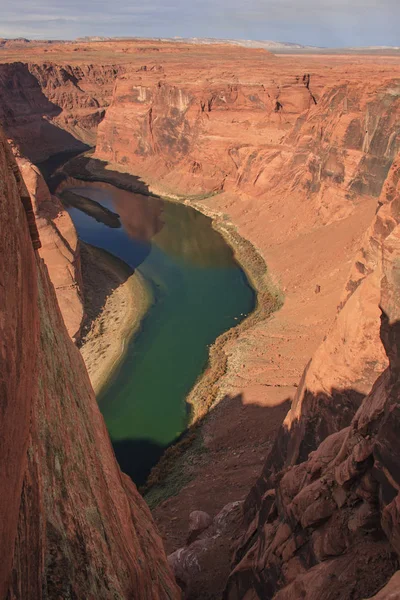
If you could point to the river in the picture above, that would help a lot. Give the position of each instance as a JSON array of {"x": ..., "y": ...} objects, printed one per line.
[{"x": 199, "y": 292}]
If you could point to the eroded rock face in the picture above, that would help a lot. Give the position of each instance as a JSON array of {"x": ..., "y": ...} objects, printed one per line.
[
  {"x": 182, "y": 130},
  {"x": 328, "y": 499},
  {"x": 59, "y": 246},
  {"x": 346, "y": 364},
  {"x": 202, "y": 131},
  {"x": 71, "y": 524},
  {"x": 202, "y": 565},
  {"x": 391, "y": 591}
]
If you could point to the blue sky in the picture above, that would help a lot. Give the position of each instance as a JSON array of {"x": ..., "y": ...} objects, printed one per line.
[{"x": 316, "y": 22}]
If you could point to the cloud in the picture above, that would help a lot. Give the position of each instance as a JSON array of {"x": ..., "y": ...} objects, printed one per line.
[{"x": 315, "y": 22}]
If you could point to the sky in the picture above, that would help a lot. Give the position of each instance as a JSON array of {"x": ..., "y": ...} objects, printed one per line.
[{"x": 328, "y": 23}]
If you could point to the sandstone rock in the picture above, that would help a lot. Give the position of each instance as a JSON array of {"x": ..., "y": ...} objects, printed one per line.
[
  {"x": 59, "y": 246},
  {"x": 199, "y": 521},
  {"x": 60, "y": 105},
  {"x": 192, "y": 564},
  {"x": 320, "y": 165},
  {"x": 301, "y": 164}
]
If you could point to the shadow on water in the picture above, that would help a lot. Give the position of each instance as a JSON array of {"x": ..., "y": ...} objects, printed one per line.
[
  {"x": 91, "y": 208},
  {"x": 237, "y": 426},
  {"x": 127, "y": 453},
  {"x": 137, "y": 457}
]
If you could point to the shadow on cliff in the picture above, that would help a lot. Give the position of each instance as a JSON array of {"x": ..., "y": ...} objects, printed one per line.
[
  {"x": 248, "y": 446},
  {"x": 237, "y": 424},
  {"x": 25, "y": 93},
  {"x": 239, "y": 437},
  {"x": 102, "y": 274},
  {"x": 376, "y": 430},
  {"x": 219, "y": 470},
  {"x": 252, "y": 441},
  {"x": 49, "y": 166},
  {"x": 322, "y": 414}
]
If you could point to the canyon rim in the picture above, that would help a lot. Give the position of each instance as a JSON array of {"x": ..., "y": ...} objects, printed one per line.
[{"x": 286, "y": 483}]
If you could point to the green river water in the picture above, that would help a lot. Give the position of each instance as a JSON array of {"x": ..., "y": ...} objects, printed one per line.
[{"x": 199, "y": 292}]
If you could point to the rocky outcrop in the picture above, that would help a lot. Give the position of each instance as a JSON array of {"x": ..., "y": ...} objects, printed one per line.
[
  {"x": 59, "y": 246},
  {"x": 327, "y": 501},
  {"x": 202, "y": 565},
  {"x": 391, "y": 591},
  {"x": 71, "y": 524}
]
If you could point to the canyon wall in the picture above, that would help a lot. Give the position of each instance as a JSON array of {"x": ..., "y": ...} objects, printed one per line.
[
  {"x": 322, "y": 520},
  {"x": 328, "y": 499},
  {"x": 71, "y": 524},
  {"x": 192, "y": 132},
  {"x": 60, "y": 105},
  {"x": 257, "y": 130},
  {"x": 299, "y": 161}
]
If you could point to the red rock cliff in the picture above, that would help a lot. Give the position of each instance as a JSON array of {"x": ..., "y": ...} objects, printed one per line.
[
  {"x": 71, "y": 524},
  {"x": 192, "y": 128},
  {"x": 59, "y": 246}
]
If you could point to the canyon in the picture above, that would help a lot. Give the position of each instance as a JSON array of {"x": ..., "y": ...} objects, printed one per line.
[{"x": 296, "y": 159}]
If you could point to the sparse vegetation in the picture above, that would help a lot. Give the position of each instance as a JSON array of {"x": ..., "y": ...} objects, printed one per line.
[{"x": 176, "y": 468}]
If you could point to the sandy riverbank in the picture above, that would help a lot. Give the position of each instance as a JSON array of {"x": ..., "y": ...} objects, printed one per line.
[{"x": 116, "y": 300}]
